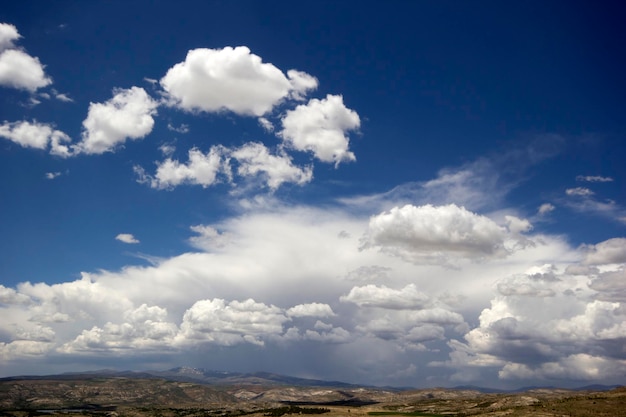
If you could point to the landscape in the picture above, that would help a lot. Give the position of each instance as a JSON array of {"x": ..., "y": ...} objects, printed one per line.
[
  {"x": 271, "y": 208},
  {"x": 182, "y": 392}
]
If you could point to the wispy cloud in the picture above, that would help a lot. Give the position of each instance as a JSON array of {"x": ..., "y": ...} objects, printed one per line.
[
  {"x": 545, "y": 208},
  {"x": 183, "y": 128},
  {"x": 593, "y": 178},
  {"x": 52, "y": 175},
  {"x": 579, "y": 191}
]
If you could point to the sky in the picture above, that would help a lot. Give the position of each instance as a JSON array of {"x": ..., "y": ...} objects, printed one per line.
[{"x": 390, "y": 193}]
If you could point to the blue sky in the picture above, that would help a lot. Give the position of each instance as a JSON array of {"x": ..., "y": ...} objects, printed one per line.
[{"x": 408, "y": 193}]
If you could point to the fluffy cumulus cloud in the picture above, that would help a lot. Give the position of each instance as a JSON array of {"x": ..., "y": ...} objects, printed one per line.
[
  {"x": 201, "y": 169},
  {"x": 552, "y": 323},
  {"x": 607, "y": 252},
  {"x": 321, "y": 127},
  {"x": 145, "y": 328},
  {"x": 405, "y": 317},
  {"x": 8, "y": 35},
  {"x": 375, "y": 296},
  {"x": 440, "y": 234},
  {"x": 17, "y": 68},
  {"x": 37, "y": 135},
  {"x": 231, "y": 323},
  {"x": 311, "y": 310},
  {"x": 255, "y": 159},
  {"x": 20, "y": 70},
  {"x": 251, "y": 161},
  {"x": 232, "y": 79},
  {"x": 128, "y": 115}
]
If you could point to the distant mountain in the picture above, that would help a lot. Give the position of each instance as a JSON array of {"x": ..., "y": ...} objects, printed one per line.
[
  {"x": 265, "y": 379},
  {"x": 484, "y": 390},
  {"x": 212, "y": 377},
  {"x": 196, "y": 375}
]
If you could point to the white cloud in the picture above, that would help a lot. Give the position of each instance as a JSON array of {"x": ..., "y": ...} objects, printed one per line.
[
  {"x": 320, "y": 126},
  {"x": 593, "y": 178},
  {"x": 217, "y": 322},
  {"x": 144, "y": 328},
  {"x": 183, "y": 128},
  {"x": 583, "y": 201},
  {"x": 10, "y": 296},
  {"x": 517, "y": 225},
  {"x": 607, "y": 252},
  {"x": 52, "y": 175},
  {"x": 374, "y": 296},
  {"x": 167, "y": 149},
  {"x": 24, "y": 348},
  {"x": 525, "y": 285},
  {"x": 8, "y": 34},
  {"x": 201, "y": 169},
  {"x": 292, "y": 265},
  {"x": 37, "y": 135},
  {"x": 580, "y": 366},
  {"x": 126, "y": 238},
  {"x": 545, "y": 208},
  {"x": 128, "y": 115},
  {"x": 232, "y": 79},
  {"x": 17, "y": 68},
  {"x": 254, "y": 158},
  {"x": 438, "y": 234},
  {"x": 579, "y": 191},
  {"x": 301, "y": 83},
  {"x": 266, "y": 124},
  {"x": 319, "y": 310},
  {"x": 610, "y": 284},
  {"x": 334, "y": 335},
  {"x": 546, "y": 324},
  {"x": 63, "y": 97},
  {"x": 209, "y": 239}
]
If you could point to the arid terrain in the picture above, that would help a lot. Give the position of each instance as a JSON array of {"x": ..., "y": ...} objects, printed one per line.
[{"x": 183, "y": 393}]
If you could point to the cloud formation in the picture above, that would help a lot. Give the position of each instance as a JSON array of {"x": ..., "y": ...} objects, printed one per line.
[
  {"x": 22, "y": 71},
  {"x": 126, "y": 238},
  {"x": 593, "y": 178},
  {"x": 200, "y": 169},
  {"x": 8, "y": 35},
  {"x": 37, "y": 135},
  {"x": 17, "y": 68},
  {"x": 550, "y": 323},
  {"x": 128, "y": 115},
  {"x": 579, "y": 191},
  {"x": 231, "y": 79},
  {"x": 252, "y": 160},
  {"x": 440, "y": 234},
  {"x": 288, "y": 277},
  {"x": 374, "y": 296},
  {"x": 320, "y": 127}
]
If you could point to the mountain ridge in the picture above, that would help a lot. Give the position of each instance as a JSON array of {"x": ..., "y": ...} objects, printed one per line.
[{"x": 263, "y": 378}]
